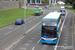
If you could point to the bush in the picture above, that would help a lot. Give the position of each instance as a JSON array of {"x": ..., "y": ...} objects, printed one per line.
[{"x": 74, "y": 5}]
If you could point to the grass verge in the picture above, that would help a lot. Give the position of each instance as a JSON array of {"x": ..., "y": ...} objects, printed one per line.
[
  {"x": 9, "y": 16},
  {"x": 56, "y": 6},
  {"x": 71, "y": 9}
]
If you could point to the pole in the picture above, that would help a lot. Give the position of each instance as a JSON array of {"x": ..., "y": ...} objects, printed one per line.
[
  {"x": 49, "y": 4},
  {"x": 24, "y": 17}
]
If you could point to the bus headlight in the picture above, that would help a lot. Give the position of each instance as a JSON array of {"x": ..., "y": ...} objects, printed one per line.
[
  {"x": 43, "y": 39},
  {"x": 54, "y": 40}
]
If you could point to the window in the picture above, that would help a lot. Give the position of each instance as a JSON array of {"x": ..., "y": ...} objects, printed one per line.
[{"x": 49, "y": 22}]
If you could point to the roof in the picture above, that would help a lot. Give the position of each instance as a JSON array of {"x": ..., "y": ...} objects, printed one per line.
[{"x": 53, "y": 15}]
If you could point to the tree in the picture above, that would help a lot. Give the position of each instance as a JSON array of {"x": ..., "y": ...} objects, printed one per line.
[
  {"x": 45, "y": 1},
  {"x": 69, "y": 1},
  {"x": 74, "y": 5}
]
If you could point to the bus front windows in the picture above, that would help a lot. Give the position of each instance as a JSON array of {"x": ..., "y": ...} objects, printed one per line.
[
  {"x": 49, "y": 28},
  {"x": 48, "y": 32},
  {"x": 47, "y": 22}
]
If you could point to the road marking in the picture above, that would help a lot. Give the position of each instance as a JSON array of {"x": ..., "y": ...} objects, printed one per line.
[
  {"x": 73, "y": 45},
  {"x": 33, "y": 48},
  {"x": 7, "y": 33},
  {"x": 22, "y": 48},
  {"x": 17, "y": 28},
  {"x": 66, "y": 37},
  {"x": 26, "y": 44},
  {"x": 67, "y": 33},
  {"x": 10, "y": 27},
  {"x": 60, "y": 32},
  {"x": 34, "y": 18},
  {"x": 13, "y": 43},
  {"x": 65, "y": 44},
  {"x": 30, "y": 21},
  {"x": 30, "y": 41},
  {"x": 65, "y": 40},
  {"x": 68, "y": 47},
  {"x": 37, "y": 17},
  {"x": 33, "y": 27},
  {"x": 35, "y": 35},
  {"x": 38, "y": 41},
  {"x": 6, "y": 27},
  {"x": 33, "y": 38},
  {"x": 45, "y": 45}
]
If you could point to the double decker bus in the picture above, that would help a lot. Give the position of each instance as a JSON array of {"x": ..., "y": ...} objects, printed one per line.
[{"x": 50, "y": 28}]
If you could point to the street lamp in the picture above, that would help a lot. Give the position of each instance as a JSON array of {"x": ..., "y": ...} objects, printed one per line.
[
  {"x": 24, "y": 17},
  {"x": 49, "y": 4}
]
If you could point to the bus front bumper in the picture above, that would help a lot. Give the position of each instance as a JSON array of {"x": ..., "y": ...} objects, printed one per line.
[{"x": 49, "y": 41}]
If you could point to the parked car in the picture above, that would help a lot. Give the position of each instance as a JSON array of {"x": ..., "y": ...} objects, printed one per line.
[
  {"x": 36, "y": 6},
  {"x": 19, "y": 21},
  {"x": 46, "y": 7}
]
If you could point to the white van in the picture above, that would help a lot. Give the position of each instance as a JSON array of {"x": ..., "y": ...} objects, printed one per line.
[{"x": 62, "y": 8}]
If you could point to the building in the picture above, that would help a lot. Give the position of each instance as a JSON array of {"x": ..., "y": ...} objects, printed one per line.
[
  {"x": 34, "y": 1},
  {"x": 62, "y": 0}
]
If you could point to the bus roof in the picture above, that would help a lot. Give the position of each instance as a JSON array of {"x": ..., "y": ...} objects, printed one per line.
[{"x": 52, "y": 15}]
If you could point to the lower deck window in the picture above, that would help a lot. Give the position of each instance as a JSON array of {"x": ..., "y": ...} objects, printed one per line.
[{"x": 49, "y": 34}]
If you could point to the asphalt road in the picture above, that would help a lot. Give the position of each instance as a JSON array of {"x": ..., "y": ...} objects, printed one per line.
[
  {"x": 32, "y": 40},
  {"x": 10, "y": 33}
]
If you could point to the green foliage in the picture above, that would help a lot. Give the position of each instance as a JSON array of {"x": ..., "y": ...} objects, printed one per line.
[
  {"x": 9, "y": 16},
  {"x": 45, "y": 1},
  {"x": 74, "y": 5},
  {"x": 69, "y": 1},
  {"x": 71, "y": 9}
]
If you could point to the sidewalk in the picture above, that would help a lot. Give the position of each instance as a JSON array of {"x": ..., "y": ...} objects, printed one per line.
[{"x": 74, "y": 32}]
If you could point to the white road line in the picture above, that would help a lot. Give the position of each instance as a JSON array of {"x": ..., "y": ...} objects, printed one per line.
[
  {"x": 66, "y": 33},
  {"x": 33, "y": 48},
  {"x": 10, "y": 27},
  {"x": 65, "y": 40},
  {"x": 33, "y": 27},
  {"x": 33, "y": 38},
  {"x": 34, "y": 18},
  {"x": 30, "y": 21},
  {"x": 65, "y": 44},
  {"x": 37, "y": 17},
  {"x": 61, "y": 31},
  {"x": 45, "y": 45},
  {"x": 6, "y": 27},
  {"x": 26, "y": 44},
  {"x": 17, "y": 28},
  {"x": 73, "y": 45},
  {"x": 65, "y": 37},
  {"x": 38, "y": 41},
  {"x": 22, "y": 48},
  {"x": 30, "y": 41},
  {"x": 8, "y": 48},
  {"x": 7, "y": 33},
  {"x": 35, "y": 35}
]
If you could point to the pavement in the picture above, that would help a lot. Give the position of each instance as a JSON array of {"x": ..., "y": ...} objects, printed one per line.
[{"x": 74, "y": 30}]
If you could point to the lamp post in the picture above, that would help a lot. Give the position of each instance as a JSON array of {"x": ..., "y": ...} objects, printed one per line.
[
  {"x": 24, "y": 17},
  {"x": 49, "y": 4}
]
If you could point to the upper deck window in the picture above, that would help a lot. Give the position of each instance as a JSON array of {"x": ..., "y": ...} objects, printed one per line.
[{"x": 49, "y": 22}]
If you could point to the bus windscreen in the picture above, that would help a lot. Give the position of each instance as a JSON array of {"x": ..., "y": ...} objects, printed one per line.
[
  {"x": 49, "y": 22},
  {"x": 49, "y": 28}
]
